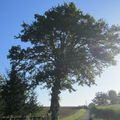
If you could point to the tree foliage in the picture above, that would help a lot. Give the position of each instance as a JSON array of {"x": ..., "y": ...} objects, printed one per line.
[
  {"x": 14, "y": 93},
  {"x": 1, "y": 99},
  {"x": 31, "y": 106},
  {"x": 100, "y": 99},
  {"x": 67, "y": 47},
  {"x": 113, "y": 97}
]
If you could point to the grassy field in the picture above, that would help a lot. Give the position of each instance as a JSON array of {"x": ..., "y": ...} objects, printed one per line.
[
  {"x": 115, "y": 107},
  {"x": 108, "y": 112},
  {"x": 66, "y": 113},
  {"x": 75, "y": 116}
]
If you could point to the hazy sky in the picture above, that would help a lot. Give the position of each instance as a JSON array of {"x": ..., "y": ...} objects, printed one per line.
[{"x": 14, "y": 12}]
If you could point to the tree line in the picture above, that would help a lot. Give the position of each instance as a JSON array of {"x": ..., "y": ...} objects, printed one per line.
[
  {"x": 66, "y": 46},
  {"x": 111, "y": 97}
]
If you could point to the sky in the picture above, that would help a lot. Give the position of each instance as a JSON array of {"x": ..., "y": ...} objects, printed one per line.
[{"x": 14, "y": 12}]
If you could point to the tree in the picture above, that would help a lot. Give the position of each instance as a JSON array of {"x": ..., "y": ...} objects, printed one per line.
[
  {"x": 100, "y": 99},
  {"x": 1, "y": 99},
  {"x": 113, "y": 96},
  {"x": 1, "y": 82},
  {"x": 118, "y": 98},
  {"x": 67, "y": 47},
  {"x": 14, "y": 93},
  {"x": 31, "y": 105}
]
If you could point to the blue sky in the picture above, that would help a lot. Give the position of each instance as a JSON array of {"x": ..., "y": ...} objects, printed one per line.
[{"x": 14, "y": 12}]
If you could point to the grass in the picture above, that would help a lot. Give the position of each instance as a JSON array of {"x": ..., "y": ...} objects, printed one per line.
[
  {"x": 75, "y": 116},
  {"x": 111, "y": 112},
  {"x": 115, "y": 107},
  {"x": 66, "y": 113}
]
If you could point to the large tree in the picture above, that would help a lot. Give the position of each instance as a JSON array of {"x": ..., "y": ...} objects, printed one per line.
[{"x": 67, "y": 46}]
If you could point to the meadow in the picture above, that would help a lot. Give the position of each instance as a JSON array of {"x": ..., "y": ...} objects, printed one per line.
[
  {"x": 108, "y": 112},
  {"x": 115, "y": 107},
  {"x": 66, "y": 113},
  {"x": 77, "y": 115}
]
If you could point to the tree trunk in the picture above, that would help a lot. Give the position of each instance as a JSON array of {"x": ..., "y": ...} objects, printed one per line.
[{"x": 54, "y": 108}]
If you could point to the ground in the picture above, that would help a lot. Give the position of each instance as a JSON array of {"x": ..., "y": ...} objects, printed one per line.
[{"x": 86, "y": 116}]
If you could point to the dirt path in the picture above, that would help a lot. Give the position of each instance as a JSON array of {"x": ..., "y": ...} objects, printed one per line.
[{"x": 87, "y": 116}]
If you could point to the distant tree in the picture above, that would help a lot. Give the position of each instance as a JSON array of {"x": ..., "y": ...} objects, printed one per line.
[
  {"x": 119, "y": 94},
  {"x": 14, "y": 93},
  {"x": 113, "y": 96},
  {"x": 91, "y": 105},
  {"x": 100, "y": 99},
  {"x": 118, "y": 98},
  {"x": 67, "y": 47}
]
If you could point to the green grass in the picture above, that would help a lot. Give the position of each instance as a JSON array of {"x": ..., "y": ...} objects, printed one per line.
[
  {"x": 75, "y": 116},
  {"x": 111, "y": 111},
  {"x": 115, "y": 107},
  {"x": 64, "y": 111},
  {"x": 67, "y": 111}
]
